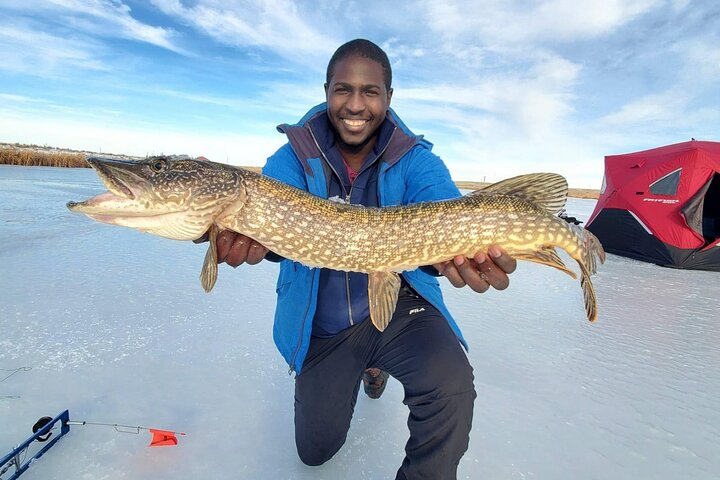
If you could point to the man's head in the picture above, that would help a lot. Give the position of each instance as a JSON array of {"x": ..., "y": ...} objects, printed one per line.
[
  {"x": 365, "y": 49},
  {"x": 358, "y": 92}
]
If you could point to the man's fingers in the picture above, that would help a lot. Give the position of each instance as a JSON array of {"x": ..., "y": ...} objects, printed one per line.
[
  {"x": 449, "y": 271},
  {"x": 255, "y": 253},
  {"x": 491, "y": 272},
  {"x": 470, "y": 274},
  {"x": 481, "y": 272},
  {"x": 235, "y": 249},
  {"x": 223, "y": 242},
  {"x": 238, "y": 251},
  {"x": 506, "y": 263}
]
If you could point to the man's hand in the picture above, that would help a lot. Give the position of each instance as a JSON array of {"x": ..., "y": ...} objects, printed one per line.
[
  {"x": 481, "y": 272},
  {"x": 235, "y": 249}
]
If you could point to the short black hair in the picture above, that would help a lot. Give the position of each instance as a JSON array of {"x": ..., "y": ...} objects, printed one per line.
[{"x": 361, "y": 48}]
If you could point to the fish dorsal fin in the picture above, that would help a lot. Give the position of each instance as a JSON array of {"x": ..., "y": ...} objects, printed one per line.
[
  {"x": 546, "y": 190},
  {"x": 383, "y": 290}
]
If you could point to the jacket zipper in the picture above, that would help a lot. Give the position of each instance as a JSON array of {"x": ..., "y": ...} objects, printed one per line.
[
  {"x": 348, "y": 198},
  {"x": 347, "y": 291}
]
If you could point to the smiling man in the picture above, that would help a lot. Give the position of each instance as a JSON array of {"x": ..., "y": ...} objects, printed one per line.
[
  {"x": 358, "y": 97},
  {"x": 355, "y": 149}
]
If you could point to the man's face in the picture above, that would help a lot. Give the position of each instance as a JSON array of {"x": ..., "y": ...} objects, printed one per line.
[{"x": 357, "y": 101}]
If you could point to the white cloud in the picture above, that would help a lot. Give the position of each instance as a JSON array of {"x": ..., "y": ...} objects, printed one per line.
[
  {"x": 277, "y": 25},
  {"x": 101, "y": 18},
  {"x": 503, "y": 22},
  {"x": 21, "y": 99},
  {"x": 29, "y": 51},
  {"x": 701, "y": 61},
  {"x": 666, "y": 107},
  {"x": 116, "y": 20},
  {"x": 532, "y": 103}
]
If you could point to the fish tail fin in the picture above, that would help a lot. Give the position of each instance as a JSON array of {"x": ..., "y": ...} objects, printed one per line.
[
  {"x": 591, "y": 253},
  {"x": 588, "y": 293}
]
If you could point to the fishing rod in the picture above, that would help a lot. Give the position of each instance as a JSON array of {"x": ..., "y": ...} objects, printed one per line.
[
  {"x": 43, "y": 431},
  {"x": 12, "y": 371}
]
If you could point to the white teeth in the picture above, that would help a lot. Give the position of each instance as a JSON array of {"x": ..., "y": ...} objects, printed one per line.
[{"x": 354, "y": 123}]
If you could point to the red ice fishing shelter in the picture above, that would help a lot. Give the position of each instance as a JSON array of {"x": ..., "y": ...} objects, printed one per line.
[{"x": 662, "y": 206}]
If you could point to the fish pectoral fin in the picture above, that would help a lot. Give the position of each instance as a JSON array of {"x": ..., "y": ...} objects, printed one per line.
[
  {"x": 588, "y": 293},
  {"x": 545, "y": 256},
  {"x": 209, "y": 272},
  {"x": 383, "y": 290}
]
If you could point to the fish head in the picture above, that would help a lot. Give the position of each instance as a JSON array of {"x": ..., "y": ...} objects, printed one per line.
[{"x": 173, "y": 197}]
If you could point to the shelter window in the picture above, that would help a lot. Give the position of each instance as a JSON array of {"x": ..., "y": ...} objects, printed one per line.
[{"x": 667, "y": 185}]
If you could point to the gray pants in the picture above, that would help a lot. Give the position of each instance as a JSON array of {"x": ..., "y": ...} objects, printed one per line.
[{"x": 421, "y": 351}]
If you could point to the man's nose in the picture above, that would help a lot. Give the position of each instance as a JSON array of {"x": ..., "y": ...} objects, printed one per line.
[{"x": 356, "y": 103}]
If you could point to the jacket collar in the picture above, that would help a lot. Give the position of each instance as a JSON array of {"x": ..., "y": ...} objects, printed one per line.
[{"x": 312, "y": 135}]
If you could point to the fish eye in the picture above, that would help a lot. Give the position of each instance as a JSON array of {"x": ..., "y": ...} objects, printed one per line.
[{"x": 158, "y": 165}]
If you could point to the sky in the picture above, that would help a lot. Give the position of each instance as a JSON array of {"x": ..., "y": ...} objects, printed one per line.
[{"x": 500, "y": 87}]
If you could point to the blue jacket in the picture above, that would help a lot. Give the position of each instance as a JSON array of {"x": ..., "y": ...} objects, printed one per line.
[{"x": 409, "y": 173}]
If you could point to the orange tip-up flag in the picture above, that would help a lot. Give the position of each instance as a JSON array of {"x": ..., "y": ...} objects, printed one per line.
[{"x": 162, "y": 438}]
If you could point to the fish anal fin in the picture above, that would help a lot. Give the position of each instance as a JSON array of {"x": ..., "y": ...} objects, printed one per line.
[
  {"x": 209, "y": 272},
  {"x": 383, "y": 290},
  {"x": 545, "y": 256},
  {"x": 546, "y": 190}
]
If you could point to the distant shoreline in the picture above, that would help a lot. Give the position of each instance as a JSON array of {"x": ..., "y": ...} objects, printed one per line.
[{"x": 36, "y": 155}]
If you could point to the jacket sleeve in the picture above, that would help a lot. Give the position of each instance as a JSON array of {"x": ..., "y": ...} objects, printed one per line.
[
  {"x": 284, "y": 165},
  {"x": 427, "y": 178}
]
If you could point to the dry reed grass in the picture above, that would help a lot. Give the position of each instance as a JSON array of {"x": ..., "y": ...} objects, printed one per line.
[{"x": 33, "y": 157}]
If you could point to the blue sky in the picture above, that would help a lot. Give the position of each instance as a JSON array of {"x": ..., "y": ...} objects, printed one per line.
[{"x": 501, "y": 87}]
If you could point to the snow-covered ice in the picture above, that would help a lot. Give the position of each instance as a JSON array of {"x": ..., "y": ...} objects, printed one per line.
[{"x": 117, "y": 329}]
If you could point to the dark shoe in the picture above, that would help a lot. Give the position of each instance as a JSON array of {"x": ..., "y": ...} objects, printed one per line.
[{"x": 374, "y": 382}]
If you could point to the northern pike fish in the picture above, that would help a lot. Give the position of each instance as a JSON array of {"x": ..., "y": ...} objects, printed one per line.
[{"x": 183, "y": 198}]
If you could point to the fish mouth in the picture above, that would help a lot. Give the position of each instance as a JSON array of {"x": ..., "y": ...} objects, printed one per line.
[{"x": 118, "y": 176}]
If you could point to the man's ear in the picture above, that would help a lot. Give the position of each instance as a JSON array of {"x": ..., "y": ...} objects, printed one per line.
[
  {"x": 389, "y": 96},
  {"x": 325, "y": 86}
]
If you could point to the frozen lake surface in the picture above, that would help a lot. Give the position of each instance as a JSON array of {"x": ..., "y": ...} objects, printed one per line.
[{"x": 117, "y": 329}]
